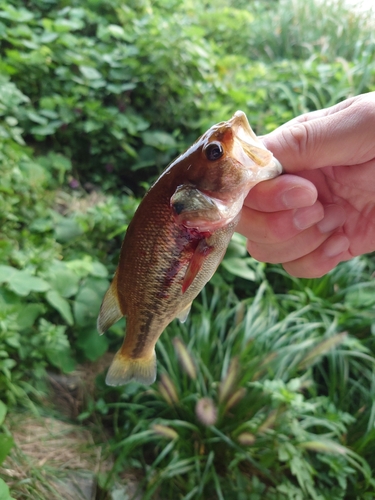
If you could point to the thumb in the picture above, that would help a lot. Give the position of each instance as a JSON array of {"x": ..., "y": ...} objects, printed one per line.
[{"x": 322, "y": 139}]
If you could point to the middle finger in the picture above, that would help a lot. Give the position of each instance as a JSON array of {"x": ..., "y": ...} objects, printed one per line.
[
  {"x": 273, "y": 227},
  {"x": 300, "y": 244}
]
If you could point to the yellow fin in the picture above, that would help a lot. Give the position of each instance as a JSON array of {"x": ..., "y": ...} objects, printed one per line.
[
  {"x": 182, "y": 316},
  {"x": 124, "y": 369},
  {"x": 110, "y": 311}
]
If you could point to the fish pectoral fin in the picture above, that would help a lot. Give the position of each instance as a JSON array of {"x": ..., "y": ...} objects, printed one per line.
[
  {"x": 125, "y": 369},
  {"x": 201, "y": 252},
  {"x": 182, "y": 316},
  {"x": 110, "y": 311}
]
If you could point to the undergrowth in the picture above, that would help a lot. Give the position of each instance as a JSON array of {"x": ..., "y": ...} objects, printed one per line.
[{"x": 268, "y": 389}]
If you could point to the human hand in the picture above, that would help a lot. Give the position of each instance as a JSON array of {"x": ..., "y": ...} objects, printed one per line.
[{"x": 322, "y": 210}]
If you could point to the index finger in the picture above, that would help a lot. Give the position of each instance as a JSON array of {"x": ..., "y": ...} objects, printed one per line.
[
  {"x": 282, "y": 193},
  {"x": 319, "y": 113},
  {"x": 341, "y": 135}
]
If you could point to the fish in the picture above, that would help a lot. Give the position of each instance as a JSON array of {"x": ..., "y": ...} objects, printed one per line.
[{"x": 177, "y": 238}]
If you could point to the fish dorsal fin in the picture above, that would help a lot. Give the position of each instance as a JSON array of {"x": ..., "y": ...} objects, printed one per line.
[
  {"x": 201, "y": 252},
  {"x": 110, "y": 311},
  {"x": 182, "y": 316}
]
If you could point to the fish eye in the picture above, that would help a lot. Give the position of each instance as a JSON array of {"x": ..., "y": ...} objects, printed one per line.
[{"x": 213, "y": 151}]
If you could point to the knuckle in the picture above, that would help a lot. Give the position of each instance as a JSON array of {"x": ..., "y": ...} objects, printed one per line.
[
  {"x": 262, "y": 253},
  {"x": 296, "y": 139},
  {"x": 277, "y": 227},
  {"x": 304, "y": 267}
]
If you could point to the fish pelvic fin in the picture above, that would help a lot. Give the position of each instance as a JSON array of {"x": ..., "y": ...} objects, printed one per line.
[
  {"x": 182, "y": 315},
  {"x": 124, "y": 369},
  {"x": 110, "y": 311}
]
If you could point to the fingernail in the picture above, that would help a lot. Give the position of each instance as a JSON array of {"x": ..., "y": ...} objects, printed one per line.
[
  {"x": 298, "y": 197},
  {"x": 334, "y": 217},
  {"x": 308, "y": 216},
  {"x": 337, "y": 244}
]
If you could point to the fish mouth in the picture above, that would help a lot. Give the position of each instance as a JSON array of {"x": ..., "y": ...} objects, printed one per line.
[
  {"x": 241, "y": 127},
  {"x": 250, "y": 151}
]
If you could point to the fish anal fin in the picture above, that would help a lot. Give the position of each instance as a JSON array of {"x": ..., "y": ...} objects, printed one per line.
[
  {"x": 196, "y": 262},
  {"x": 182, "y": 316},
  {"x": 110, "y": 311},
  {"x": 125, "y": 369}
]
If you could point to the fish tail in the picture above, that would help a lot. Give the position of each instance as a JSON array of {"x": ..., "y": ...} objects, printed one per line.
[{"x": 124, "y": 369}]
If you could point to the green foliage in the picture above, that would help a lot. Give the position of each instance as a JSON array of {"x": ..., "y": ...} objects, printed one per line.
[
  {"x": 49, "y": 299},
  {"x": 268, "y": 390},
  {"x": 6, "y": 444},
  {"x": 130, "y": 88},
  {"x": 4, "y": 491},
  {"x": 6, "y": 441},
  {"x": 268, "y": 374}
]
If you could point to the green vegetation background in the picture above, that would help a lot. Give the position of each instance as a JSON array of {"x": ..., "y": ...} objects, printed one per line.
[{"x": 268, "y": 390}]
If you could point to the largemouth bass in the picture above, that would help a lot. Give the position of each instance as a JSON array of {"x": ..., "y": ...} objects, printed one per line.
[{"x": 177, "y": 238}]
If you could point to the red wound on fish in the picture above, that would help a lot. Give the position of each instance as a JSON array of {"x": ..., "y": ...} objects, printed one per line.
[{"x": 199, "y": 256}]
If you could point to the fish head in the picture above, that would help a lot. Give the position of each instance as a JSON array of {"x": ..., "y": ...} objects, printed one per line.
[
  {"x": 220, "y": 169},
  {"x": 232, "y": 158}
]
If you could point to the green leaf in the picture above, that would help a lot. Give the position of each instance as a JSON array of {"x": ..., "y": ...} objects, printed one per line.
[
  {"x": 6, "y": 273},
  {"x": 87, "y": 304},
  {"x": 99, "y": 270},
  {"x": 93, "y": 344},
  {"x": 158, "y": 139},
  {"x": 91, "y": 125},
  {"x": 48, "y": 129},
  {"x": 41, "y": 225},
  {"x": 121, "y": 87},
  {"x": 35, "y": 117},
  {"x": 28, "y": 314},
  {"x": 22, "y": 283},
  {"x": 17, "y": 15},
  {"x": 61, "y": 305},
  {"x": 35, "y": 174},
  {"x": 63, "y": 280},
  {"x": 11, "y": 121},
  {"x": 58, "y": 162},
  {"x": 62, "y": 358},
  {"x": 67, "y": 229},
  {"x": 6, "y": 444},
  {"x": 81, "y": 267},
  {"x": 48, "y": 37},
  {"x": 62, "y": 25},
  {"x": 3, "y": 412},
  {"x": 4, "y": 491},
  {"x": 239, "y": 267},
  {"x": 90, "y": 73},
  {"x": 116, "y": 31}
]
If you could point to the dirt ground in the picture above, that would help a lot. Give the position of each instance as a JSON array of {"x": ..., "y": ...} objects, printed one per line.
[{"x": 57, "y": 458}]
